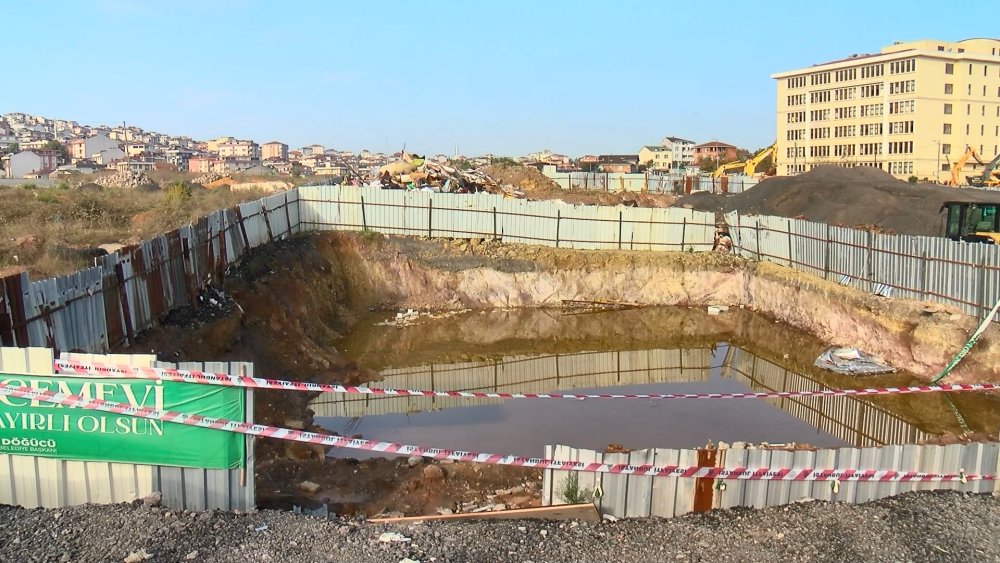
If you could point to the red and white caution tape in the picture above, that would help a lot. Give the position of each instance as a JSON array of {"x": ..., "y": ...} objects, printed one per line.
[
  {"x": 738, "y": 473},
  {"x": 225, "y": 379}
]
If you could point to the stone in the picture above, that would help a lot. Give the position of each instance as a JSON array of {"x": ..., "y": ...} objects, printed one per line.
[
  {"x": 309, "y": 487},
  {"x": 191, "y": 556},
  {"x": 433, "y": 473},
  {"x": 153, "y": 499},
  {"x": 137, "y": 556},
  {"x": 295, "y": 424},
  {"x": 414, "y": 460}
]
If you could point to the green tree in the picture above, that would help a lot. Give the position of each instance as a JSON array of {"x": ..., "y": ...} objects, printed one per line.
[
  {"x": 10, "y": 149},
  {"x": 60, "y": 148}
]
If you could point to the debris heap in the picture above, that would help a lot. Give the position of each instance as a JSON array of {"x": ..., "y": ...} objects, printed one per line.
[
  {"x": 128, "y": 179},
  {"x": 416, "y": 173}
]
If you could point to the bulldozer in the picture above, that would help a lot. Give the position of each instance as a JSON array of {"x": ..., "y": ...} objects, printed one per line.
[{"x": 972, "y": 221}]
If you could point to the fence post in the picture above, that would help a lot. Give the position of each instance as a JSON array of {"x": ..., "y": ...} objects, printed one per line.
[
  {"x": 558, "y": 221},
  {"x": 684, "y": 224},
  {"x": 364, "y": 219},
  {"x": 983, "y": 305},
  {"x": 494, "y": 222},
  {"x": 788, "y": 229},
  {"x": 923, "y": 275},
  {"x": 430, "y": 217},
  {"x": 871, "y": 257},
  {"x": 756, "y": 229},
  {"x": 826, "y": 259},
  {"x": 619, "y": 230}
]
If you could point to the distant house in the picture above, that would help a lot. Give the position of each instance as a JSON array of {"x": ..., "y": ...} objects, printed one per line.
[
  {"x": 274, "y": 150},
  {"x": 241, "y": 150},
  {"x": 109, "y": 156},
  {"x": 135, "y": 165},
  {"x": 682, "y": 151},
  {"x": 89, "y": 147},
  {"x": 200, "y": 164},
  {"x": 714, "y": 150},
  {"x": 312, "y": 150},
  {"x": 31, "y": 164},
  {"x": 656, "y": 157},
  {"x": 617, "y": 163}
]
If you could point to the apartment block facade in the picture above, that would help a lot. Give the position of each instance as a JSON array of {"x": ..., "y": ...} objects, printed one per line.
[{"x": 910, "y": 110}]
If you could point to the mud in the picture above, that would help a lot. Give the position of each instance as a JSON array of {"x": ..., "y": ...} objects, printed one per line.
[{"x": 294, "y": 301}]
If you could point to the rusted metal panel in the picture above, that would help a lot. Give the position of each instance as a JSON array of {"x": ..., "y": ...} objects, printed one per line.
[{"x": 703, "y": 487}]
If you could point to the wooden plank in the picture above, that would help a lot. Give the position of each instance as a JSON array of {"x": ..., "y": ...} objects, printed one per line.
[{"x": 585, "y": 512}]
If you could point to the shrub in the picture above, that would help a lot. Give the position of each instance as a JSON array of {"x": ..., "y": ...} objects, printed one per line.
[
  {"x": 912, "y": 179},
  {"x": 177, "y": 193},
  {"x": 571, "y": 491}
]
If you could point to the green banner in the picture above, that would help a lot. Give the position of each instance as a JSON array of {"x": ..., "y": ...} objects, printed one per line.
[{"x": 45, "y": 429}]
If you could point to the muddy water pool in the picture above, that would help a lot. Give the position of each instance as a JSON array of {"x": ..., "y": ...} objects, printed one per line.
[{"x": 647, "y": 351}]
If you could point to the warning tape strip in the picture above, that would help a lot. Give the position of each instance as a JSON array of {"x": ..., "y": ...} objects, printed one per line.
[
  {"x": 737, "y": 473},
  {"x": 225, "y": 379}
]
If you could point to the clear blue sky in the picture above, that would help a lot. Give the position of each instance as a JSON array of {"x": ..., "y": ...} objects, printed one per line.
[{"x": 509, "y": 78}]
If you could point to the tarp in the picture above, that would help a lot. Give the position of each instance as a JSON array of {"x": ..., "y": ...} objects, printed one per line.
[
  {"x": 43, "y": 429},
  {"x": 852, "y": 361}
]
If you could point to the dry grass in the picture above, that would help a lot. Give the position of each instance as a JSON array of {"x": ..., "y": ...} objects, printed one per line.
[{"x": 53, "y": 231}]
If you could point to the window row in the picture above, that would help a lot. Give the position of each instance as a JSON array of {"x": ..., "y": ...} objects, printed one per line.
[
  {"x": 902, "y": 87},
  {"x": 904, "y": 106},
  {"x": 900, "y": 127},
  {"x": 796, "y": 99},
  {"x": 901, "y": 167},
  {"x": 901, "y": 147},
  {"x": 899, "y": 67}
]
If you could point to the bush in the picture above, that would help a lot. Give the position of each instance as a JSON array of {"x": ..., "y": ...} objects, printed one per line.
[
  {"x": 177, "y": 193},
  {"x": 912, "y": 179},
  {"x": 571, "y": 491}
]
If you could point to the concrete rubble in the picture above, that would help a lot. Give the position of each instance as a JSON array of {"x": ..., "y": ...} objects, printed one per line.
[{"x": 127, "y": 180}]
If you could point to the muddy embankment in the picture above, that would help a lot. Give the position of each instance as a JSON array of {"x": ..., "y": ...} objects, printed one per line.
[
  {"x": 295, "y": 301},
  {"x": 914, "y": 336}
]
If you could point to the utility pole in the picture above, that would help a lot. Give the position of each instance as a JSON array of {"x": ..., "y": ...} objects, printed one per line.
[
  {"x": 128, "y": 162},
  {"x": 937, "y": 168}
]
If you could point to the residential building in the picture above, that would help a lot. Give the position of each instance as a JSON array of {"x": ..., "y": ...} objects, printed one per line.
[
  {"x": 200, "y": 164},
  {"x": 274, "y": 150},
  {"x": 911, "y": 109},
  {"x": 623, "y": 163},
  {"x": 135, "y": 165},
  {"x": 241, "y": 150},
  {"x": 312, "y": 150},
  {"x": 682, "y": 151},
  {"x": 714, "y": 150},
  {"x": 656, "y": 157},
  {"x": 89, "y": 147},
  {"x": 213, "y": 145},
  {"x": 109, "y": 156},
  {"x": 31, "y": 164}
]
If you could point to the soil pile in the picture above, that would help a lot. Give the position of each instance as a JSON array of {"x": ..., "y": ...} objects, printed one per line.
[{"x": 851, "y": 197}]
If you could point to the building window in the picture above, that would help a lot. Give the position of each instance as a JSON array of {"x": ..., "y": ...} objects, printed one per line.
[
  {"x": 947, "y": 109},
  {"x": 949, "y": 68},
  {"x": 946, "y": 149},
  {"x": 947, "y": 129},
  {"x": 949, "y": 88}
]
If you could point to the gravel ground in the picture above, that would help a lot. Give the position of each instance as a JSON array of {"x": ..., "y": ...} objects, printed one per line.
[{"x": 941, "y": 526}]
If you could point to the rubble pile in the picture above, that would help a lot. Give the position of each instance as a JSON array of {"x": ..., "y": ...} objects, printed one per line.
[
  {"x": 208, "y": 178},
  {"x": 128, "y": 180},
  {"x": 416, "y": 173}
]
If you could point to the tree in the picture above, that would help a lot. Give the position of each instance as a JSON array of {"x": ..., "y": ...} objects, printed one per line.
[
  {"x": 57, "y": 146},
  {"x": 10, "y": 149}
]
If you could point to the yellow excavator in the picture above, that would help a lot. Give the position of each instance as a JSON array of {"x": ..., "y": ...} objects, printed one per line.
[
  {"x": 972, "y": 221},
  {"x": 956, "y": 170},
  {"x": 989, "y": 178},
  {"x": 749, "y": 166}
]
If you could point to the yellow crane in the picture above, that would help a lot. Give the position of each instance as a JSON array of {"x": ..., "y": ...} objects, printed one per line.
[{"x": 749, "y": 166}]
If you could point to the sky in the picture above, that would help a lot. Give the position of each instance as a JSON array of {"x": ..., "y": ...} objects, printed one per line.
[{"x": 507, "y": 78}]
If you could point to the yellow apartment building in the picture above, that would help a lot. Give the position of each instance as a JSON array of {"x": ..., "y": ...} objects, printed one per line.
[{"x": 910, "y": 110}]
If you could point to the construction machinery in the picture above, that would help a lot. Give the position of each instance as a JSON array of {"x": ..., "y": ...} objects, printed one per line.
[
  {"x": 957, "y": 168},
  {"x": 972, "y": 221},
  {"x": 990, "y": 176},
  {"x": 750, "y": 165}
]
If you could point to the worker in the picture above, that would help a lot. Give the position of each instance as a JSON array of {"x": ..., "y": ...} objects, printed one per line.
[{"x": 723, "y": 242}]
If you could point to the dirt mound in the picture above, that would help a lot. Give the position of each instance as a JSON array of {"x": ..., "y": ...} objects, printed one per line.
[{"x": 846, "y": 196}]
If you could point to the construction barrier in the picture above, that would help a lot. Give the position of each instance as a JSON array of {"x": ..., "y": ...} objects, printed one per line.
[
  {"x": 647, "y": 470},
  {"x": 227, "y": 380}
]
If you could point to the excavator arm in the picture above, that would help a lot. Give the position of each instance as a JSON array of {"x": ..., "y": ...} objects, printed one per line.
[
  {"x": 957, "y": 168},
  {"x": 751, "y": 165},
  {"x": 986, "y": 178}
]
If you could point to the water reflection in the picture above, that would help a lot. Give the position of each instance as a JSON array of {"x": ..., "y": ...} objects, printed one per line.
[{"x": 524, "y": 426}]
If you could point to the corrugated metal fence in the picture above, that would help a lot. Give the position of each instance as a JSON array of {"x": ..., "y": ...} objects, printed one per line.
[
  {"x": 633, "y": 496},
  {"x": 33, "y": 481},
  {"x": 961, "y": 274},
  {"x": 98, "y": 308},
  {"x": 650, "y": 183},
  {"x": 548, "y": 223}
]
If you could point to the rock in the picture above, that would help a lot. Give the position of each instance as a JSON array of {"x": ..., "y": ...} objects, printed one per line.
[
  {"x": 153, "y": 499},
  {"x": 295, "y": 424},
  {"x": 433, "y": 473},
  {"x": 543, "y": 533},
  {"x": 414, "y": 460},
  {"x": 445, "y": 511},
  {"x": 137, "y": 556},
  {"x": 191, "y": 556},
  {"x": 309, "y": 487}
]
